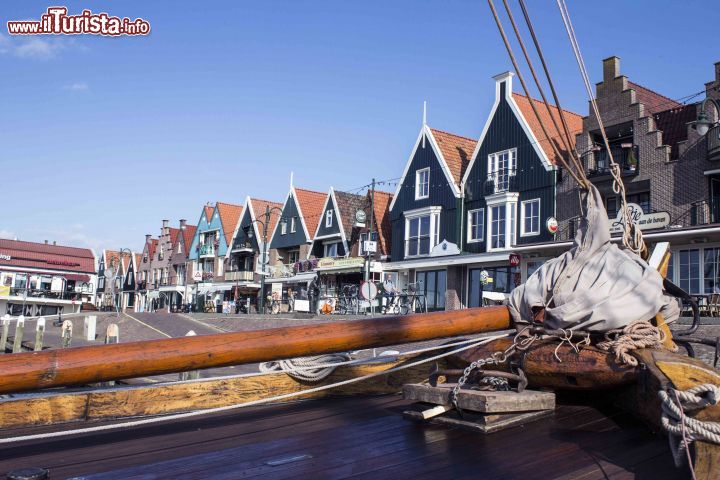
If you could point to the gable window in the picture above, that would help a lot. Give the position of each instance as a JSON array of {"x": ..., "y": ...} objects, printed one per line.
[
  {"x": 422, "y": 231},
  {"x": 501, "y": 171},
  {"x": 476, "y": 225},
  {"x": 283, "y": 228},
  {"x": 292, "y": 225},
  {"x": 328, "y": 219},
  {"x": 422, "y": 184},
  {"x": 530, "y": 223},
  {"x": 331, "y": 249}
]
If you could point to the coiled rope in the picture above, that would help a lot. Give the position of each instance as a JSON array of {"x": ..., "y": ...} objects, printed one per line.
[
  {"x": 640, "y": 334},
  {"x": 683, "y": 430},
  {"x": 307, "y": 369}
]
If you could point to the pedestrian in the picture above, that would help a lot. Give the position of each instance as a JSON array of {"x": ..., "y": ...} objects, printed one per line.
[{"x": 291, "y": 300}]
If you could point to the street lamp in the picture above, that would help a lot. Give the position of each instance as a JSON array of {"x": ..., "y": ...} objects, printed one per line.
[
  {"x": 264, "y": 260},
  {"x": 703, "y": 122}
]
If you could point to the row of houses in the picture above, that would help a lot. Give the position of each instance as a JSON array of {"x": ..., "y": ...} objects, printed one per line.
[{"x": 465, "y": 210}]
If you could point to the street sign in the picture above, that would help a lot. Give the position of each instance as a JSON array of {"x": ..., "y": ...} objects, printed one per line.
[
  {"x": 370, "y": 246},
  {"x": 514, "y": 259},
  {"x": 197, "y": 276},
  {"x": 368, "y": 290}
]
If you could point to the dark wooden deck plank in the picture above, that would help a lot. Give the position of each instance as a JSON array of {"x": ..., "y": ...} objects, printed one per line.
[{"x": 355, "y": 438}]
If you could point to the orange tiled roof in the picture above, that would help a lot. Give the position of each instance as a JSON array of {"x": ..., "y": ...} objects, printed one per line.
[
  {"x": 574, "y": 122},
  {"x": 382, "y": 220},
  {"x": 208, "y": 213},
  {"x": 229, "y": 217},
  {"x": 137, "y": 259},
  {"x": 259, "y": 206},
  {"x": 152, "y": 247},
  {"x": 311, "y": 204},
  {"x": 174, "y": 233},
  {"x": 456, "y": 150},
  {"x": 188, "y": 235}
]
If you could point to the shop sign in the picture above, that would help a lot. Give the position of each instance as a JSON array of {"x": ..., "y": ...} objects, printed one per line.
[
  {"x": 644, "y": 221},
  {"x": 552, "y": 225},
  {"x": 369, "y": 246},
  {"x": 330, "y": 263},
  {"x": 4, "y": 256},
  {"x": 514, "y": 259}
]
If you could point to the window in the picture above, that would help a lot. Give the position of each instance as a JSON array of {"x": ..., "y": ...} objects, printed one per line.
[
  {"x": 501, "y": 169},
  {"x": 293, "y": 227},
  {"x": 690, "y": 270},
  {"x": 283, "y": 228},
  {"x": 476, "y": 225},
  {"x": 711, "y": 270},
  {"x": 331, "y": 249},
  {"x": 432, "y": 285},
  {"x": 422, "y": 230},
  {"x": 422, "y": 184},
  {"x": 502, "y": 225},
  {"x": 504, "y": 279},
  {"x": 293, "y": 256},
  {"x": 642, "y": 199},
  {"x": 328, "y": 219},
  {"x": 530, "y": 224}
]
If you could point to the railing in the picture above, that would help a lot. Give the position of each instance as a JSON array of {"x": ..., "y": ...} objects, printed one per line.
[
  {"x": 242, "y": 276},
  {"x": 40, "y": 293},
  {"x": 292, "y": 269},
  {"x": 627, "y": 158},
  {"x": 207, "y": 250},
  {"x": 501, "y": 181},
  {"x": 713, "y": 143}
]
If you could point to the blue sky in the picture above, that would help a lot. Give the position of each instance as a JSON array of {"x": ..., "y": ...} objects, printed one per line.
[{"x": 102, "y": 138}]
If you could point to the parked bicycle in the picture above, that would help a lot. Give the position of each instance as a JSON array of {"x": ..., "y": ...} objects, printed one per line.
[{"x": 348, "y": 300}]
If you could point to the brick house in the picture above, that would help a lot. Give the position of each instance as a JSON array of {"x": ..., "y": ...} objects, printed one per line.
[{"x": 670, "y": 172}]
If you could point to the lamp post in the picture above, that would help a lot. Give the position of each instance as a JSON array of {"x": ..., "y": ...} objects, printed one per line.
[
  {"x": 703, "y": 123},
  {"x": 264, "y": 260}
]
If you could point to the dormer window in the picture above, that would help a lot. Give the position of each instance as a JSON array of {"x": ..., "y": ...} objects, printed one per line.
[
  {"x": 422, "y": 184},
  {"x": 328, "y": 219}
]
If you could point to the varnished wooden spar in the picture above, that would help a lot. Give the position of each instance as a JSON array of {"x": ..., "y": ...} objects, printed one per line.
[{"x": 77, "y": 366}]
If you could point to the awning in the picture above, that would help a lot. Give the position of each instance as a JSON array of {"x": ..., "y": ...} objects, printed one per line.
[
  {"x": 77, "y": 277},
  {"x": 299, "y": 278},
  {"x": 448, "y": 261}
]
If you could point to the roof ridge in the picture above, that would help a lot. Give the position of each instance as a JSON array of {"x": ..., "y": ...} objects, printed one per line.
[
  {"x": 309, "y": 191},
  {"x": 230, "y": 204},
  {"x": 453, "y": 134},
  {"x": 551, "y": 105},
  {"x": 630, "y": 82}
]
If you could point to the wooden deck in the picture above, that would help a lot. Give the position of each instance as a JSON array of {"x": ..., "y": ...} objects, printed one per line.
[{"x": 361, "y": 437}]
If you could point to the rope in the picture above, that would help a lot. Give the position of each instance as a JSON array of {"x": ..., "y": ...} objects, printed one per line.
[
  {"x": 307, "y": 369},
  {"x": 632, "y": 236},
  {"x": 640, "y": 334},
  {"x": 683, "y": 430},
  {"x": 195, "y": 413}
]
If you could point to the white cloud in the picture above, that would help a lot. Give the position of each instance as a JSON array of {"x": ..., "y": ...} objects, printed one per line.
[
  {"x": 77, "y": 87},
  {"x": 35, "y": 47},
  {"x": 7, "y": 234}
]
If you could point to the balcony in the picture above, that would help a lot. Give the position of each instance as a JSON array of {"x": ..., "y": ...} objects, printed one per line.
[
  {"x": 39, "y": 293},
  {"x": 239, "y": 276},
  {"x": 207, "y": 250},
  {"x": 626, "y": 157},
  {"x": 501, "y": 181},
  {"x": 713, "y": 143}
]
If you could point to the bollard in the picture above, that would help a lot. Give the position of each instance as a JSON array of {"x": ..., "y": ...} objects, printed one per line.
[
  {"x": 19, "y": 328},
  {"x": 89, "y": 328},
  {"x": 194, "y": 374},
  {"x": 39, "y": 334},
  {"x": 4, "y": 334},
  {"x": 67, "y": 328}
]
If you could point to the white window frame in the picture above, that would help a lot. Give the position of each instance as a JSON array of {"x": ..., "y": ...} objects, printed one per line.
[
  {"x": 419, "y": 194},
  {"x": 328, "y": 219},
  {"x": 283, "y": 228},
  {"x": 480, "y": 213},
  {"x": 510, "y": 224},
  {"x": 293, "y": 226},
  {"x": 434, "y": 214},
  {"x": 523, "y": 204},
  {"x": 494, "y": 164},
  {"x": 330, "y": 245}
]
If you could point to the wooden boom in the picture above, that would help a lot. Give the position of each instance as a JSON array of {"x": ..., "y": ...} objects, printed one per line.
[{"x": 82, "y": 365}]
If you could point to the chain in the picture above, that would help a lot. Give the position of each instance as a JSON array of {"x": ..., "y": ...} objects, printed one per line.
[{"x": 521, "y": 342}]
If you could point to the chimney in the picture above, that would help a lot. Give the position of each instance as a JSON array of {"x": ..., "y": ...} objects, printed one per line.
[
  {"x": 166, "y": 228},
  {"x": 611, "y": 68},
  {"x": 182, "y": 223},
  {"x": 54, "y": 242},
  {"x": 147, "y": 238},
  {"x": 46, "y": 242}
]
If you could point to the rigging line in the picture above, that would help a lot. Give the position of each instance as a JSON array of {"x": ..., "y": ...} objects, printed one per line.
[
  {"x": 563, "y": 120},
  {"x": 532, "y": 104},
  {"x": 565, "y": 140},
  {"x": 632, "y": 236}
]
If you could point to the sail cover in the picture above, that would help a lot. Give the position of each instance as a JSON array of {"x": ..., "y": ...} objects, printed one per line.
[{"x": 596, "y": 285}]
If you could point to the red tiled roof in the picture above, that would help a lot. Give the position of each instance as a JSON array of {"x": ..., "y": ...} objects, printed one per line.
[
  {"x": 673, "y": 124},
  {"x": 574, "y": 121},
  {"x": 456, "y": 150},
  {"x": 208, "y": 213},
  {"x": 259, "y": 205},
  {"x": 229, "y": 217},
  {"x": 137, "y": 259},
  {"x": 112, "y": 256},
  {"x": 349, "y": 204},
  {"x": 382, "y": 220},
  {"x": 188, "y": 235},
  {"x": 312, "y": 205},
  {"x": 653, "y": 101},
  {"x": 174, "y": 233},
  {"x": 46, "y": 256},
  {"x": 152, "y": 247}
]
